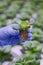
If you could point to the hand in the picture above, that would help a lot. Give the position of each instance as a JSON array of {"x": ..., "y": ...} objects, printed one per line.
[{"x": 9, "y": 36}]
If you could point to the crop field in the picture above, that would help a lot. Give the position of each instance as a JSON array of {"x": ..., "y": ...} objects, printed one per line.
[{"x": 29, "y": 52}]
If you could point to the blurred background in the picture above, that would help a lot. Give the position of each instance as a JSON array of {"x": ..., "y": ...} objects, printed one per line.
[{"x": 22, "y": 10}]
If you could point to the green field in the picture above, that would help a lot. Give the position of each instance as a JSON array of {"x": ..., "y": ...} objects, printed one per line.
[{"x": 23, "y": 10}]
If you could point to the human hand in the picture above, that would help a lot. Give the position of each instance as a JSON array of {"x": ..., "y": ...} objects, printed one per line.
[{"x": 9, "y": 36}]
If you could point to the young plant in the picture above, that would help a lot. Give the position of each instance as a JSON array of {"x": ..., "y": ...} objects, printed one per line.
[
  {"x": 23, "y": 33},
  {"x": 23, "y": 29}
]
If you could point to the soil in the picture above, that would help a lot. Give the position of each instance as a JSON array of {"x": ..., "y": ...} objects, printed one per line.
[{"x": 23, "y": 35}]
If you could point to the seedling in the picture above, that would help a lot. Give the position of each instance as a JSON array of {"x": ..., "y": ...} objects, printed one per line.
[{"x": 23, "y": 29}]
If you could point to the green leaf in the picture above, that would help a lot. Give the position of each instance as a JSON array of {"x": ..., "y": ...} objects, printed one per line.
[{"x": 24, "y": 25}]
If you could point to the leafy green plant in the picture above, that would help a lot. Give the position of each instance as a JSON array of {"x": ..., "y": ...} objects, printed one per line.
[
  {"x": 41, "y": 38},
  {"x": 36, "y": 33},
  {"x": 2, "y": 20},
  {"x": 12, "y": 10},
  {"x": 31, "y": 54},
  {"x": 39, "y": 21},
  {"x": 32, "y": 48},
  {"x": 26, "y": 11},
  {"x": 4, "y": 56},
  {"x": 25, "y": 60},
  {"x": 2, "y": 6}
]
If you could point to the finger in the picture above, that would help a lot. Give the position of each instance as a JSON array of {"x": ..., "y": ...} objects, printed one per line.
[{"x": 29, "y": 37}]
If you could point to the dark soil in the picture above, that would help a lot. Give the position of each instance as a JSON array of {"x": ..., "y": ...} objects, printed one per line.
[{"x": 23, "y": 35}]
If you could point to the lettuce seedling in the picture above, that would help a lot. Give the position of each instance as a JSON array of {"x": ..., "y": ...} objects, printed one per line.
[{"x": 23, "y": 29}]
